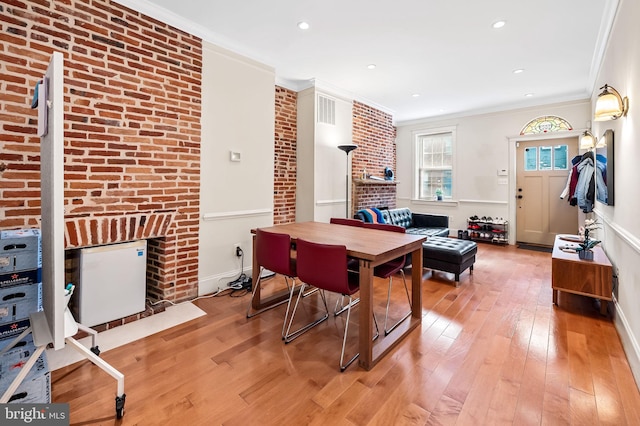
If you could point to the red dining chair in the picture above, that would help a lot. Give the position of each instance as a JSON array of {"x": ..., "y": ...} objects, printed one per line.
[
  {"x": 352, "y": 264},
  {"x": 325, "y": 267},
  {"x": 346, "y": 221},
  {"x": 388, "y": 270},
  {"x": 273, "y": 252}
]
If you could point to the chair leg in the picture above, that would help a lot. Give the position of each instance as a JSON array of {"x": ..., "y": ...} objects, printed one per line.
[
  {"x": 386, "y": 315},
  {"x": 250, "y": 312},
  {"x": 340, "y": 307},
  {"x": 292, "y": 290},
  {"x": 344, "y": 366},
  {"x": 289, "y": 336}
]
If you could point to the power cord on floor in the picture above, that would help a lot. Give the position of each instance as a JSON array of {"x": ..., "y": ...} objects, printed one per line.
[
  {"x": 238, "y": 287},
  {"x": 242, "y": 282}
]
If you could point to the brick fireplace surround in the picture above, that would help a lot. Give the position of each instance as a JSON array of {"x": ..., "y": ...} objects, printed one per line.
[{"x": 375, "y": 134}]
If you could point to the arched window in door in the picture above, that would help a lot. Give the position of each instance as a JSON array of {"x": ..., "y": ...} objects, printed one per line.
[{"x": 546, "y": 124}]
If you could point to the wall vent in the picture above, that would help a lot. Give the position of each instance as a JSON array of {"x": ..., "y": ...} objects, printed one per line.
[{"x": 326, "y": 110}]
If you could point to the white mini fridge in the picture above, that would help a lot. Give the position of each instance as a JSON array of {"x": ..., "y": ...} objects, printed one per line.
[{"x": 111, "y": 282}]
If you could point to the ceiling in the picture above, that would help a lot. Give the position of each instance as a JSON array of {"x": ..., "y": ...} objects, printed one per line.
[{"x": 433, "y": 57}]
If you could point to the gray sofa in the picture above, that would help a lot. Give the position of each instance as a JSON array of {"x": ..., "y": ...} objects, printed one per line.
[{"x": 414, "y": 223}]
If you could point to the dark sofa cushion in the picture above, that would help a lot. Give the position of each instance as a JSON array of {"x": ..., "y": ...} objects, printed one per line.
[
  {"x": 429, "y": 232},
  {"x": 401, "y": 217},
  {"x": 450, "y": 250},
  {"x": 414, "y": 223}
]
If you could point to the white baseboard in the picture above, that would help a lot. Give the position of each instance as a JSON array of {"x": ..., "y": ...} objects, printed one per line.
[
  {"x": 629, "y": 343},
  {"x": 215, "y": 283}
]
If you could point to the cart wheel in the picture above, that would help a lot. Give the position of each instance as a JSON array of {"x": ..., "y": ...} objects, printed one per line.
[
  {"x": 95, "y": 350},
  {"x": 120, "y": 406}
]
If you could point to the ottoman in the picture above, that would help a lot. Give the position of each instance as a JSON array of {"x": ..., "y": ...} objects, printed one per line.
[{"x": 449, "y": 255}]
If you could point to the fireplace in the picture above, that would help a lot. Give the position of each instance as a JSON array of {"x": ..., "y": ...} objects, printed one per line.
[{"x": 164, "y": 270}]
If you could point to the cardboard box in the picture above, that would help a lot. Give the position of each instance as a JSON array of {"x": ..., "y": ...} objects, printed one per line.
[
  {"x": 34, "y": 389},
  {"x": 17, "y": 302},
  {"x": 36, "y": 386},
  {"x": 12, "y": 329},
  {"x": 14, "y": 358},
  {"x": 20, "y": 250},
  {"x": 30, "y": 276}
]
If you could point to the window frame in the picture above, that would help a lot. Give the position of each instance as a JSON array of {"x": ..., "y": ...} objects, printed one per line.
[{"x": 417, "y": 161}]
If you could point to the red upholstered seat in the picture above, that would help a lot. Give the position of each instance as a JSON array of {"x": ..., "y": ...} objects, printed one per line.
[
  {"x": 324, "y": 266},
  {"x": 273, "y": 252}
]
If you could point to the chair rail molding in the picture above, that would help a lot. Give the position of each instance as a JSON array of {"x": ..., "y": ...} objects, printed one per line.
[{"x": 236, "y": 214}]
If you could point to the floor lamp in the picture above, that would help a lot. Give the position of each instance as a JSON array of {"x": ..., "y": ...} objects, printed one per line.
[{"x": 347, "y": 149}]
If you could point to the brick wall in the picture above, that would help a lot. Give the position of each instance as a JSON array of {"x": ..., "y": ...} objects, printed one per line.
[
  {"x": 285, "y": 170},
  {"x": 131, "y": 128},
  {"x": 374, "y": 133},
  {"x": 373, "y": 194}
]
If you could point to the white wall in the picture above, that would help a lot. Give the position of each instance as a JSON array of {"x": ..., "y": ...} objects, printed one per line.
[
  {"x": 305, "y": 189},
  {"x": 238, "y": 114},
  {"x": 482, "y": 147},
  {"x": 621, "y": 223},
  {"x": 331, "y": 163},
  {"x": 321, "y": 189}
]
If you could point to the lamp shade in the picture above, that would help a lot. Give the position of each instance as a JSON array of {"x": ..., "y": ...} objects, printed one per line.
[
  {"x": 347, "y": 148},
  {"x": 610, "y": 105},
  {"x": 587, "y": 141}
]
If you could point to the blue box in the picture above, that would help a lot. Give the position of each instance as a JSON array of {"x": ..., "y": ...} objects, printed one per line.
[
  {"x": 12, "y": 329},
  {"x": 20, "y": 250},
  {"x": 36, "y": 386},
  {"x": 30, "y": 276},
  {"x": 18, "y": 302}
]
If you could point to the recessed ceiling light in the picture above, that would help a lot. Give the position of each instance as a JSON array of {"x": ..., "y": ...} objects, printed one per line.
[
  {"x": 518, "y": 71},
  {"x": 498, "y": 24},
  {"x": 371, "y": 66},
  {"x": 303, "y": 25},
  {"x": 416, "y": 95},
  {"x": 528, "y": 95}
]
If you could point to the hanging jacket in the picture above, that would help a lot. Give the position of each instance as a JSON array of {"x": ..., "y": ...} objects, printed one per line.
[
  {"x": 570, "y": 187},
  {"x": 567, "y": 187},
  {"x": 585, "y": 188},
  {"x": 601, "y": 183}
]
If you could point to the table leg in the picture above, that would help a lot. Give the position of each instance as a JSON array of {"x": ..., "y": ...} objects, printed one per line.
[
  {"x": 416, "y": 283},
  {"x": 255, "y": 273},
  {"x": 603, "y": 307},
  {"x": 366, "y": 315}
]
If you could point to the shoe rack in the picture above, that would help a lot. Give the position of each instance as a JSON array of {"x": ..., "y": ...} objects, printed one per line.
[{"x": 487, "y": 229}]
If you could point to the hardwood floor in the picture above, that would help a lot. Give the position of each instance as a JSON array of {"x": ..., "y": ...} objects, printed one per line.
[{"x": 492, "y": 351}]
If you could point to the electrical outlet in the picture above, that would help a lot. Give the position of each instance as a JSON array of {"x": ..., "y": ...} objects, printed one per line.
[{"x": 237, "y": 250}]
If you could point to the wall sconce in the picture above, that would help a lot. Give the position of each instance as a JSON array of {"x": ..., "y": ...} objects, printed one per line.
[
  {"x": 588, "y": 141},
  {"x": 610, "y": 105}
]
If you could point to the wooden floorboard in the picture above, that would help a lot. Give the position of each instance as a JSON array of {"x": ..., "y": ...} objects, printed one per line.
[{"x": 492, "y": 351}]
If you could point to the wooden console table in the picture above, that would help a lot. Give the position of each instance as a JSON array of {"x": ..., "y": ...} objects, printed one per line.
[{"x": 593, "y": 278}]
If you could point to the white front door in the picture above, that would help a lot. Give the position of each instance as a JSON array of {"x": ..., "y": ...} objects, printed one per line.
[{"x": 542, "y": 169}]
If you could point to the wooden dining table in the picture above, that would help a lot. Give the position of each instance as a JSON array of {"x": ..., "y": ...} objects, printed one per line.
[{"x": 371, "y": 247}]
